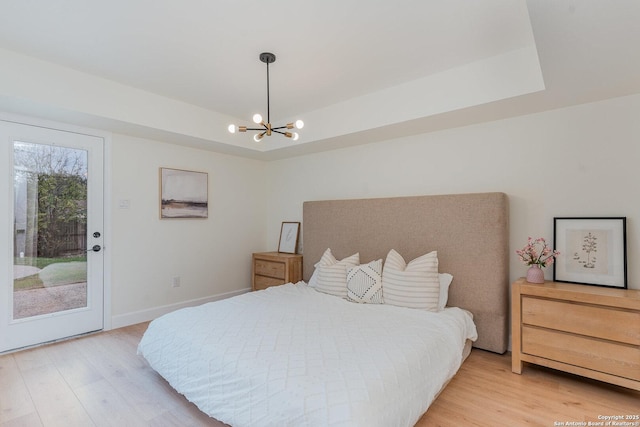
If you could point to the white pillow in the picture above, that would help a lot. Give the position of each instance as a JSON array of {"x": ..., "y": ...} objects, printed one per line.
[
  {"x": 332, "y": 274},
  {"x": 412, "y": 285},
  {"x": 327, "y": 258},
  {"x": 364, "y": 283},
  {"x": 313, "y": 280},
  {"x": 445, "y": 280}
]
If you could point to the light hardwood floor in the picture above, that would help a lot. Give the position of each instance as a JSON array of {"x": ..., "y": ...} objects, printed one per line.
[{"x": 98, "y": 380}]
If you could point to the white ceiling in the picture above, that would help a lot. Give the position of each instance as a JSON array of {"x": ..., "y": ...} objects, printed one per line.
[{"x": 339, "y": 62}]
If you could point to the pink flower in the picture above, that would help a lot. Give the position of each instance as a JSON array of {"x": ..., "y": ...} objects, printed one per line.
[{"x": 536, "y": 252}]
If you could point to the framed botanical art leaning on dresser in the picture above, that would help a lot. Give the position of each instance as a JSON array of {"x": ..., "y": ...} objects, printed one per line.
[
  {"x": 593, "y": 251},
  {"x": 289, "y": 233}
]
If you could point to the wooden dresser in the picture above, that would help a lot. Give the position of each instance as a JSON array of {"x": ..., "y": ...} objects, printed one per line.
[
  {"x": 275, "y": 268},
  {"x": 585, "y": 330}
]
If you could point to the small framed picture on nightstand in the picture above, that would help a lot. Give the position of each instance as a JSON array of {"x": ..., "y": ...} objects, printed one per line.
[{"x": 289, "y": 237}]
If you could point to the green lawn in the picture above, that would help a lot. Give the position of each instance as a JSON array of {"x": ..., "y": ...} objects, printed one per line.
[
  {"x": 54, "y": 272},
  {"x": 43, "y": 262},
  {"x": 29, "y": 282}
]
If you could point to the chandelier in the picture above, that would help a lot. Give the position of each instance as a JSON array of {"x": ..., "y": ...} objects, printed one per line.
[{"x": 267, "y": 128}]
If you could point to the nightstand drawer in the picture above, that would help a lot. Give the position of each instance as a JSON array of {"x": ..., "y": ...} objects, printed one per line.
[
  {"x": 274, "y": 269},
  {"x": 263, "y": 282},
  {"x": 591, "y": 353},
  {"x": 589, "y": 320},
  {"x": 270, "y": 268}
]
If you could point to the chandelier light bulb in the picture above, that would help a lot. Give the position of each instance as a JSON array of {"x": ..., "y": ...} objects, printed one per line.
[
  {"x": 232, "y": 128},
  {"x": 299, "y": 124},
  {"x": 257, "y": 137},
  {"x": 257, "y": 118},
  {"x": 295, "y": 135}
]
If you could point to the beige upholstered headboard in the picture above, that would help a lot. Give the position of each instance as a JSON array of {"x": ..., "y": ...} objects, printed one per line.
[{"x": 469, "y": 231}]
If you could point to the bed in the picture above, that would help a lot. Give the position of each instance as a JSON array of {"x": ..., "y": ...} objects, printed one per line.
[{"x": 297, "y": 355}]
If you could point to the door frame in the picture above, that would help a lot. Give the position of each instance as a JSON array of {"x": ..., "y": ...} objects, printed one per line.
[{"x": 106, "y": 202}]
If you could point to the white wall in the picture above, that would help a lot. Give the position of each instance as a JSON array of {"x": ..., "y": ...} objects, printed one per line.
[
  {"x": 211, "y": 256},
  {"x": 578, "y": 161}
]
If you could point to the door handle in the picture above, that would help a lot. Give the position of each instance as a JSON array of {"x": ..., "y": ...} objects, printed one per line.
[{"x": 95, "y": 248}]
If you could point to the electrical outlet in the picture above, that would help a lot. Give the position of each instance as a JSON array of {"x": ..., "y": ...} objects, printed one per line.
[{"x": 175, "y": 282}]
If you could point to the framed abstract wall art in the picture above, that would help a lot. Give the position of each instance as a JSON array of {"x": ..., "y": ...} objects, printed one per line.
[{"x": 183, "y": 194}]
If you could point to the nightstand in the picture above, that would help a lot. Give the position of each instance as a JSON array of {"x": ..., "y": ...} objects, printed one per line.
[
  {"x": 275, "y": 268},
  {"x": 586, "y": 330}
]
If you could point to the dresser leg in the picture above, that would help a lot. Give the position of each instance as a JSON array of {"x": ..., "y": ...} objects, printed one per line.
[{"x": 516, "y": 365}]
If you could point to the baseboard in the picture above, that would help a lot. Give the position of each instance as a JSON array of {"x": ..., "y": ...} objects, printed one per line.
[{"x": 135, "y": 317}]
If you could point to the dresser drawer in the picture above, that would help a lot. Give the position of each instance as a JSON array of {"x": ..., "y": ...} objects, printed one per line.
[
  {"x": 582, "y": 319},
  {"x": 263, "y": 282},
  {"x": 591, "y": 331},
  {"x": 270, "y": 268},
  {"x": 603, "y": 356}
]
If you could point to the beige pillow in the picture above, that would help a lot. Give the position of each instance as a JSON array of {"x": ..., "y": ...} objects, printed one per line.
[
  {"x": 332, "y": 274},
  {"x": 364, "y": 283},
  {"x": 412, "y": 285}
]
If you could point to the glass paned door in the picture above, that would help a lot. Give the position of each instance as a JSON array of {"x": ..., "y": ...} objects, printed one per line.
[
  {"x": 55, "y": 260},
  {"x": 50, "y": 223}
]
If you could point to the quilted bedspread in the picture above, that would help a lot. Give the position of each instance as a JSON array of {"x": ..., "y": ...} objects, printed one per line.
[{"x": 292, "y": 356}]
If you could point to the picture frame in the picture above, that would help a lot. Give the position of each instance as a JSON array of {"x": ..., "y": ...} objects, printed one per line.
[
  {"x": 593, "y": 251},
  {"x": 289, "y": 234},
  {"x": 183, "y": 194}
]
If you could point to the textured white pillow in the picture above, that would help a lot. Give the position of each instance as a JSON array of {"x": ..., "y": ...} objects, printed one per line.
[
  {"x": 364, "y": 283},
  {"x": 445, "y": 280},
  {"x": 332, "y": 274},
  {"x": 413, "y": 285},
  {"x": 326, "y": 257},
  {"x": 313, "y": 280}
]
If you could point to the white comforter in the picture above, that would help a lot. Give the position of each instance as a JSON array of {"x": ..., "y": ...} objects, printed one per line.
[{"x": 292, "y": 356}]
